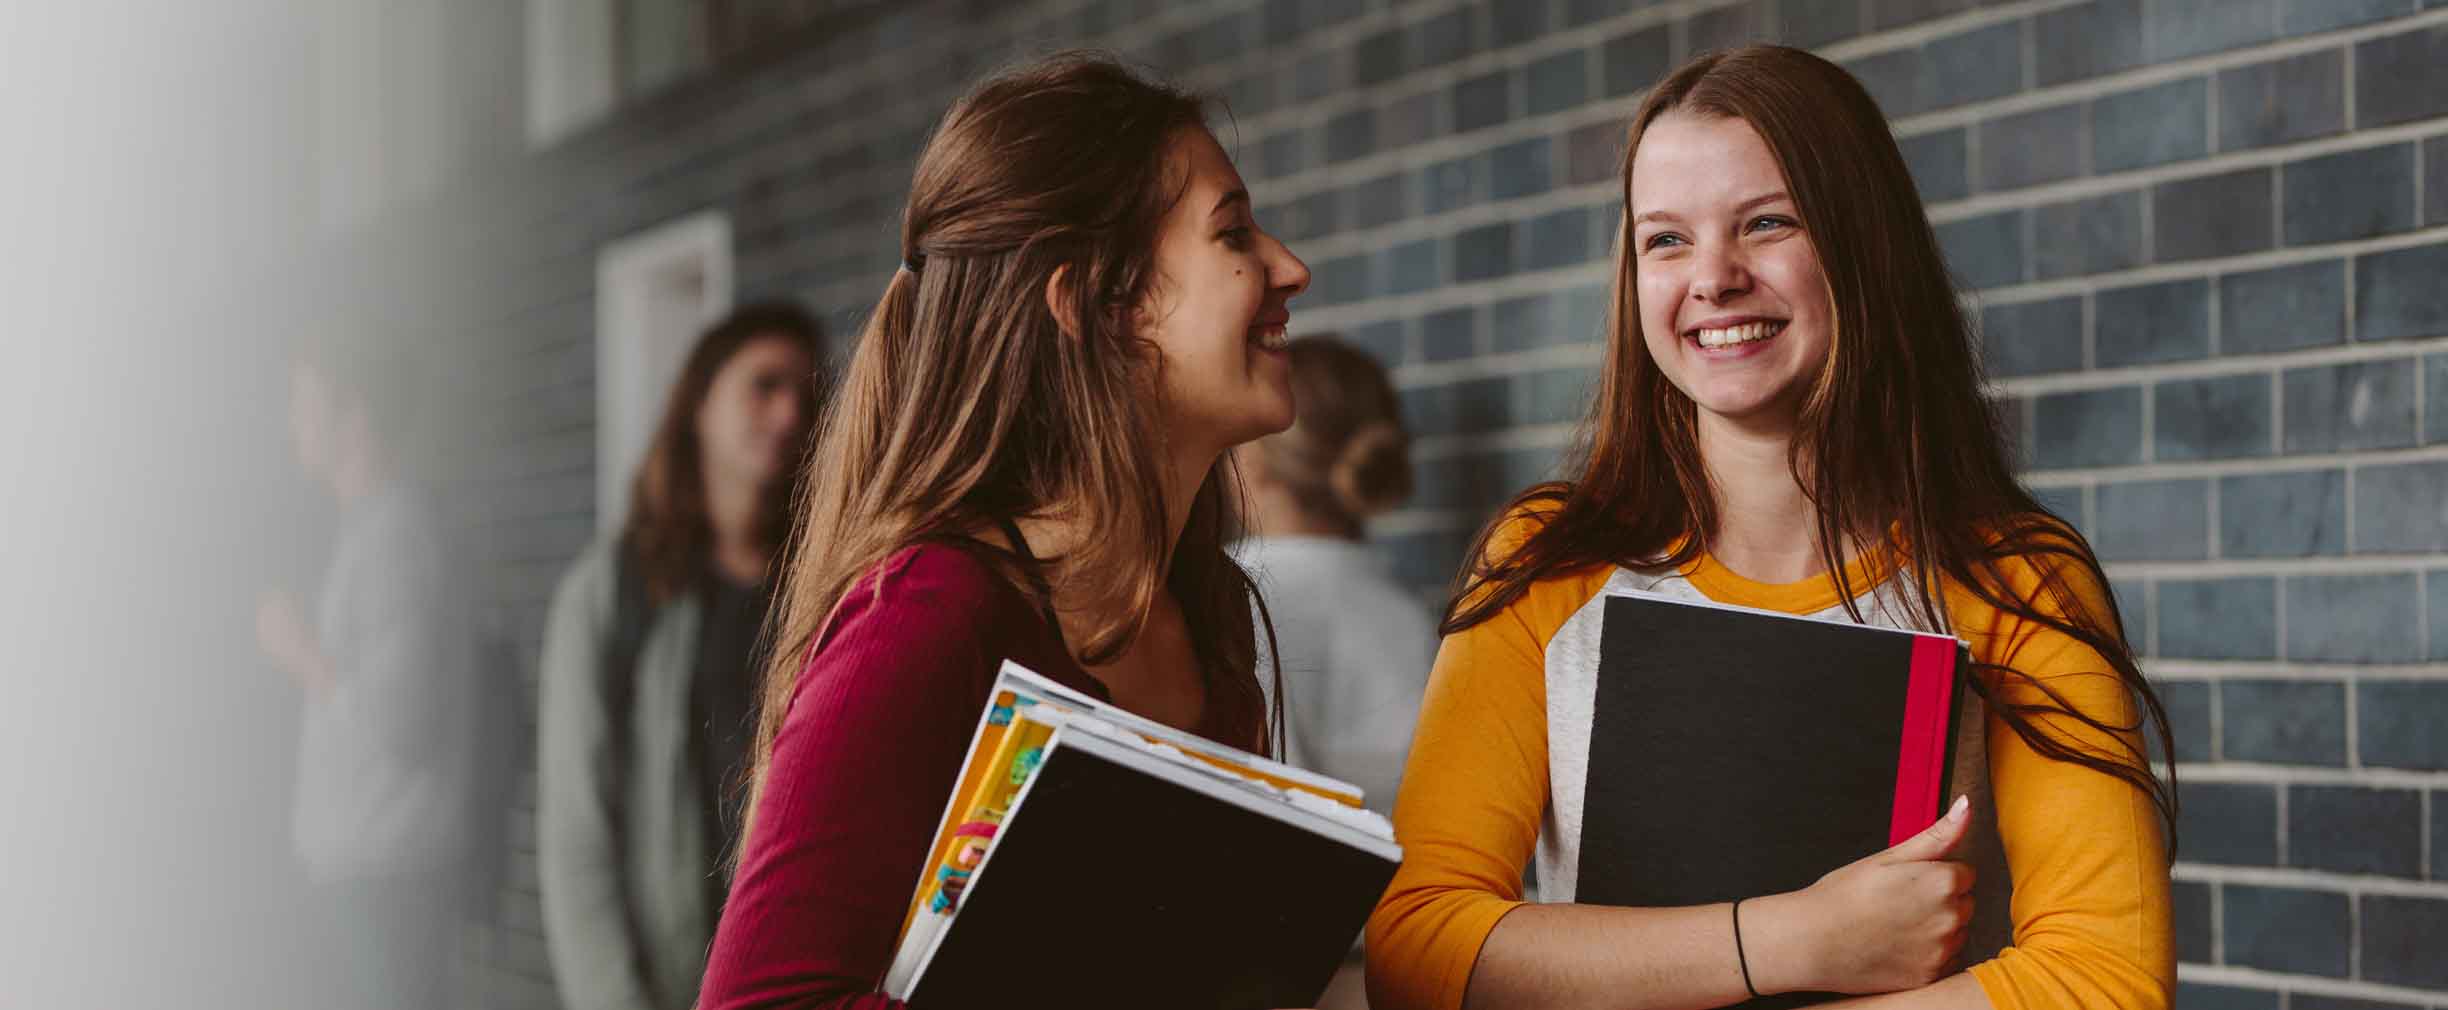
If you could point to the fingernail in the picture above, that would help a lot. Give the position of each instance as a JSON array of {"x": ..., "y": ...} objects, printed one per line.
[{"x": 1962, "y": 804}]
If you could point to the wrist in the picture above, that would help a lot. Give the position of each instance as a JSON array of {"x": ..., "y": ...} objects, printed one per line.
[{"x": 1778, "y": 945}]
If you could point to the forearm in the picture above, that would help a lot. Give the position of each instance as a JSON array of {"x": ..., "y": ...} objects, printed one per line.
[
  {"x": 1954, "y": 992},
  {"x": 1637, "y": 958}
]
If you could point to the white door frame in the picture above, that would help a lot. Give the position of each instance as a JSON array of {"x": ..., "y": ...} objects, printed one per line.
[{"x": 653, "y": 291}]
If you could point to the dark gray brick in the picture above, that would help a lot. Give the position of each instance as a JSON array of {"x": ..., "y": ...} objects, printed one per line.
[
  {"x": 2030, "y": 148},
  {"x": 2065, "y": 502},
  {"x": 1581, "y": 313},
  {"x": 2099, "y": 234},
  {"x": 1593, "y": 153},
  {"x": 2439, "y": 833},
  {"x": 2168, "y": 321},
  {"x": 2401, "y": 78},
  {"x": 1411, "y": 267},
  {"x": 1443, "y": 39},
  {"x": 2307, "y": 1001},
  {"x": 2397, "y": 508},
  {"x": 1522, "y": 168},
  {"x": 2357, "y": 405},
  {"x": 1886, "y": 14},
  {"x": 2179, "y": 28},
  {"x": 2232, "y": 618},
  {"x": 1377, "y": 202},
  {"x": 1556, "y": 395},
  {"x": 1581, "y": 12},
  {"x": 2203, "y": 996},
  {"x": 1559, "y": 82},
  {"x": 2195, "y": 942},
  {"x": 1336, "y": 281},
  {"x": 1427, "y": 561},
  {"x": 1482, "y": 101},
  {"x": 2030, "y": 338},
  {"x": 2282, "y": 515},
  {"x": 2401, "y": 940},
  {"x": 2305, "y": 16},
  {"x": 1378, "y": 58},
  {"x": 1253, "y": 95},
  {"x": 2283, "y": 308},
  {"x": 2101, "y": 37},
  {"x": 2153, "y": 520},
  {"x": 1308, "y": 217},
  {"x": 1986, "y": 251},
  {"x": 2098, "y": 427},
  {"x": 2397, "y": 724},
  {"x": 2398, "y": 293},
  {"x": 1351, "y": 135},
  {"x": 2346, "y": 829},
  {"x": 2435, "y": 398},
  {"x": 1516, "y": 323},
  {"x": 2435, "y": 589},
  {"x": 2151, "y": 126},
  {"x": 1893, "y": 79},
  {"x": 1561, "y": 238},
  {"x": 2353, "y": 618},
  {"x": 2215, "y": 418},
  {"x": 1514, "y": 24},
  {"x": 1470, "y": 407},
  {"x": 2435, "y": 180},
  {"x": 2286, "y": 930},
  {"x": 2232, "y": 824},
  {"x": 1483, "y": 252},
  {"x": 1452, "y": 185},
  {"x": 1634, "y": 61},
  {"x": 1285, "y": 153},
  {"x": 2349, "y": 195},
  {"x": 1811, "y": 23},
  {"x": 1449, "y": 334},
  {"x": 1727, "y": 27},
  {"x": 2282, "y": 101},
  {"x": 2213, "y": 215},
  {"x": 1973, "y": 66},
  {"x": 1382, "y": 340},
  {"x": 1938, "y": 164},
  {"x": 2290, "y": 722},
  {"x": 1408, "y": 121},
  {"x": 2188, "y": 710}
]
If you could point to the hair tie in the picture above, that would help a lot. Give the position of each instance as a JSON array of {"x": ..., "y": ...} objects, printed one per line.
[{"x": 915, "y": 260}]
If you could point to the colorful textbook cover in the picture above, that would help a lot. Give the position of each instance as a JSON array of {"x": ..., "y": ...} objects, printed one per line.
[
  {"x": 1192, "y": 874},
  {"x": 1738, "y": 752}
]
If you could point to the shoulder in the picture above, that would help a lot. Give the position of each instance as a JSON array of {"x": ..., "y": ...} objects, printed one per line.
[
  {"x": 2036, "y": 563},
  {"x": 587, "y": 582}
]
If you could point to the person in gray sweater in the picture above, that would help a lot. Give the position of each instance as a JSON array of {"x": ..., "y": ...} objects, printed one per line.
[{"x": 649, "y": 672}]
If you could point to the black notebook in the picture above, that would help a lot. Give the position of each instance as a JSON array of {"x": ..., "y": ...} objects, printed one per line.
[
  {"x": 1132, "y": 865},
  {"x": 1736, "y": 752}
]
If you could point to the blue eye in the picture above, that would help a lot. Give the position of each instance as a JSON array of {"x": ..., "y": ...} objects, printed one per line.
[
  {"x": 1779, "y": 222},
  {"x": 1661, "y": 239}
]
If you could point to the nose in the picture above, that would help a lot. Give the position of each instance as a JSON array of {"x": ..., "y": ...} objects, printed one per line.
[
  {"x": 1286, "y": 271},
  {"x": 1718, "y": 274}
]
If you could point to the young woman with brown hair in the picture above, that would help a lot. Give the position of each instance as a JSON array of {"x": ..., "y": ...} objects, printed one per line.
[
  {"x": 1027, "y": 460},
  {"x": 1790, "y": 417},
  {"x": 649, "y": 671}
]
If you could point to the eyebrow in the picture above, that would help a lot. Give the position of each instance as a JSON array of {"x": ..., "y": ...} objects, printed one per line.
[
  {"x": 1764, "y": 198},
  {"x": 1238, "y": 195}
]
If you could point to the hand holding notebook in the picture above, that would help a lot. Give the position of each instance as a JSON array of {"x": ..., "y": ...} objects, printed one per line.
[{"x": 1888, "y": 921}]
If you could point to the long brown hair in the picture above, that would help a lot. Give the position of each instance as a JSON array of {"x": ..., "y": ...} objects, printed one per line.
[
  {"x": 667, "y": 533},
  {"x": 1898, "y": 449},
  {"x": 969, "y": 402}
]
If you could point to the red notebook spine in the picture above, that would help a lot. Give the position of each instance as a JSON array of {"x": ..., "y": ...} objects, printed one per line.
[{"x": 1921, "y": 755}]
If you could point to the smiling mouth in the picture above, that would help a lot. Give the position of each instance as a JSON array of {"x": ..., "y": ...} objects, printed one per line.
[
  {"x": 1270, "y": 337},
  {"x": 1741, "y": 333}
]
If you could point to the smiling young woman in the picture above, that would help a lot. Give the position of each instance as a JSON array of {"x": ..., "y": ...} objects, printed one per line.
[
  {"x": 1790, "y": 417},
  {"x": 1026, "y": 460}
]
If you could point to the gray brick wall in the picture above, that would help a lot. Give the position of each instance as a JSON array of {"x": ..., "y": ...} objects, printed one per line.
[{"x": 2207, "y": 241}]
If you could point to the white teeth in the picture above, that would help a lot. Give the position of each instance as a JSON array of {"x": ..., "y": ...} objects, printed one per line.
[
  {"x": 1745, "y": 333},
  {"x": 1271, "y": 338}
]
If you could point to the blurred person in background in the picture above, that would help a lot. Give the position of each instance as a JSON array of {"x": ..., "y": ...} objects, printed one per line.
[
  {"x": 649, "y": 671},
  {"x": 1354, "y": 647},
  {"x": 386, "y": 663}
]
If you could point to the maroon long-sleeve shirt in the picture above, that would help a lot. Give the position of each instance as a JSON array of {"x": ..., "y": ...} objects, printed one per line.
[{"x": 867, "y": 757}]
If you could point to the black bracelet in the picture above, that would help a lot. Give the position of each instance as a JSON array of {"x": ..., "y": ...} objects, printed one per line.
[{"x": 1739, "y": 957}]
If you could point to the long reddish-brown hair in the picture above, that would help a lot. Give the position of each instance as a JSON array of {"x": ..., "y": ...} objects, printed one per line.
[
  {"x": 667, "y": 534},
  {"x": 1896, "y": 445},
  {"x": 968, "y": 402}
]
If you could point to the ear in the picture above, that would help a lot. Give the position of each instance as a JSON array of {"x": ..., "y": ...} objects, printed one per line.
[{"x": 1059, "y": 302}]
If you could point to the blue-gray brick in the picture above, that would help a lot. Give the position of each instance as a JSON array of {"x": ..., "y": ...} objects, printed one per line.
[
  {"x": 1336, "y": 281},
  {"x": 1985, "y": 251},
  {"x": 1469, "y": 407},
  {"x": 2030, "y": 148},
  {"x": 2195, "y": 940},
  {"x": 1482, "y": 101},
  {"x": 2151, "y": 126},
  {"x": 1556, "y": 395},
  {"x": 2435, "y": 398},
  {"x": 1938, "y": 163},
  {"x": 2357, "y": 405},
  {"x": 2435, "y": 180},
  {"x": 2435, "y": 589},
  {"x": 1514, "y": 24},
  {"x": 2227, "y": 214},
  {"x": 2188, "y": 711},
  {"x": 1351, "y": 135},
  {"x": 2229, "y": 618},
  {"x": 1726, "y": 27},
  {"x": 2281, "y": 515},
  {"x": 1973, "y": 66},
  {"x": 2286, "y": 930},
  {"x": 1593, "y": 153},
  {"x": 2282, "y": 101},
  {"x": 1517, "y": 323},
  {"x": 1411, "y": 267},
  {"x": 2286, "y": 722},
  {"x": 1382, "y": 340},
  {"x": 1285, "y": 153},
  {"x": 1811, "y": 23},
  {"x": 1522, "y": 168},
  {"x": 2203, "y": 996},
  {"x": 1443, "y": 39},
  {"x": 1633, "y": 61},
  {"x": 2398, "y": 293},
  {"x": 2307, "y": 1001},
  {"x": 2229, "y": 823},
  {"x": 2153, "y": 520},
  {"x": 2214, "y": 418},
  {"x": 2349, "y": 195},
  {"x": 1408, "y": 121},
  {"x": 1377, "y": 202},
  {"x": 1558, "y": 82},
  {"x": 2439, "y": 835},
  {"x": 2306, "y": 16},
  {"x": 1893, "y": 79},
  {"x": 2179, "y": 28},
  {"x": 2168, "y": 321},
  {"x": 2096, "y": 427},
  {"x": 1449, "y": 334},
  {"x": 2283, "y": 308},
  {"x": 2073, "y": 43},
  {"x": 2030, "y": 338},
  {"x": 2094, "y": 235},
  {"x": 2398, "y": 508},
  {"x": 2397, "y": 724},
  {"x": 2348, "y": 829},
  {"x": 2353, "y": 618},
  {"x": 1558, "y": 239},
  {"x": 1454, "y": 184},
  {"x": 2401, "y": 940},
  {"x": 1428, "y": 560},
  {"x": 2401, "y": 78},
  {"x": 1581, "y": 313},
  {"x": 1483, "y": 252},
  {"x": 1378, "y": 58},
  {"x": 2065, "y": 501}
]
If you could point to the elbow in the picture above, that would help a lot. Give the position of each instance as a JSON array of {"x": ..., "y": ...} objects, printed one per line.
[{"x": 2077, "y": 974}]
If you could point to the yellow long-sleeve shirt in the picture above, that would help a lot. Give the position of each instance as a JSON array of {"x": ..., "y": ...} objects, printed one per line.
[{"x": 1498, "y": 762}]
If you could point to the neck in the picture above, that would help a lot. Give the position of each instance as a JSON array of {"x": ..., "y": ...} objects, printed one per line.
[
  {"x": 1767, "y": 528},
  {"x": 732, "y": 508}
]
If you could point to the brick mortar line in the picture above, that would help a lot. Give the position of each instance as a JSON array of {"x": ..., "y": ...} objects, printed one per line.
[
  {"x": 2149, "y": 74},
  {"x": 2235, "y": 467},
  {"x": 2314, "y": 985},
  {"x": 1537, "y": 436},
  {"x": 2413, "y": 348},
  {"x": 1514, "y": 210},
  {"x": 2296, "y": 877},
  {"x": 2388, "y": 564},
  {"x": 2278, "y": 813}
]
